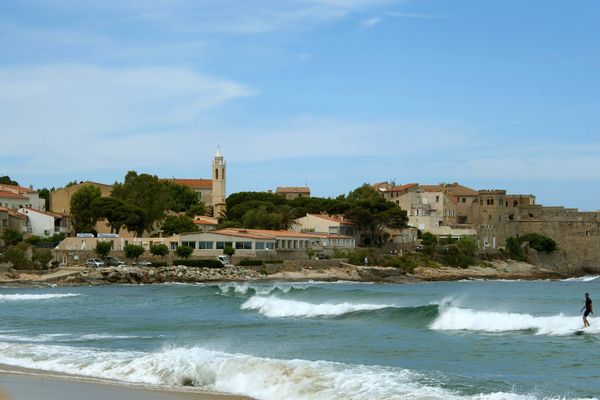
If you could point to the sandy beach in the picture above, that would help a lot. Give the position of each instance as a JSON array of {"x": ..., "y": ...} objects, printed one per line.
[{"x": 26, "y": 384}]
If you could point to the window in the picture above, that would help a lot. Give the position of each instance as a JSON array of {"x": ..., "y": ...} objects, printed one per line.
[
  {"x": 490, "y": 201},
  {"x": 216, "y": 173},
  {"x": 464, "y": 199},
  {"x": 191, "y": 245},
  {"x": 222, "y": 245},
  {"x": 437, "y": 199},
  {"x": 243, "y": 245},
  {"x": 173, "y": 245},
  {"x": 206, "y": 245}
]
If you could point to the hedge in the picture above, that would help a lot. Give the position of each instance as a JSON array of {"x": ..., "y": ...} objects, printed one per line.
[
  {"x": 157, "y": 264},
  {"x": 199, "y": 263},
  {"x": 246, "y": 262},
  {"x": 273, "y": 261}
]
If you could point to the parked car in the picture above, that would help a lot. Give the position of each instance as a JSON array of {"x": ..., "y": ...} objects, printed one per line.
[
  {"x": 142, "y": 263},
  {"x": 93, "y": 262},
  {"x": 113, "y": 261}
]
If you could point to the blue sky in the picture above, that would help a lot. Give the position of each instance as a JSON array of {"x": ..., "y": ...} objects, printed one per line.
[{"x": 329, "y": 93}]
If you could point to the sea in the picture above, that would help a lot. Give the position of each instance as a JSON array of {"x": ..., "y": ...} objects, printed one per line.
[{"x": 316, "y": 340}]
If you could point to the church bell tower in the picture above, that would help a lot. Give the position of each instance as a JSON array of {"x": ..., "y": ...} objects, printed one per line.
[{"x": 219, "y": 168}]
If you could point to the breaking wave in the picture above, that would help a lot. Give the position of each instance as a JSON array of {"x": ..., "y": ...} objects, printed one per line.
[
  {"x": 30, "y": 297},
  {"x": 587, "y": 278},
  {"x": 275, "y": 307},
  {"x": 244, "y": 289},
  {"x": 461, "y": 319},
  {"x": 258, "y": 377}
]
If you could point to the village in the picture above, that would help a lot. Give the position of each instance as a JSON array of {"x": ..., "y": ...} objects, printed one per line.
[{"x": 488, "y": 219}]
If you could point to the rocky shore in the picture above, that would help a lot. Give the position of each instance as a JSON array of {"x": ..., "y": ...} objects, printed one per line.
[{"x": 331, "y": 272}]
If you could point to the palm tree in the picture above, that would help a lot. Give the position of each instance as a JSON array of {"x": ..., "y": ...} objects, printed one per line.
[{"x": 289, "y": 215}]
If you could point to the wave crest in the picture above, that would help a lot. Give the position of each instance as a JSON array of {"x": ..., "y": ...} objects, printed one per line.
[
  {"x": 461, "y": 319},
  {"x": 33, "y": 297}
]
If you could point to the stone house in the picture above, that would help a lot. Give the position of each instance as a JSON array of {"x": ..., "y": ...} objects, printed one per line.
[{"x": 293, "y": 192}]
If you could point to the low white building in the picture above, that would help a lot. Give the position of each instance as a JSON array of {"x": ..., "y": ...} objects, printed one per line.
[
  {"x": 45, "y": 223},
  {"x": 13, "y": 196}
]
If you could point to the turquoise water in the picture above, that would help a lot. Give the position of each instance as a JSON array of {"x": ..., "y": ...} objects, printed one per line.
[{"x": 443, "y": 340}]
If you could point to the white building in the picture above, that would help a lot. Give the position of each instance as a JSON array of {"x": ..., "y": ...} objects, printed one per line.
[
  {"x": 21, "y": 197},
  {"x": 45, "y": 223},
  {"x": 323, "y": 223}
]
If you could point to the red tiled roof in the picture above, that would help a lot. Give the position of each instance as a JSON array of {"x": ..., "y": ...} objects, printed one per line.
[
  {"x": 12, "y": 212},
  {"x": 269, "y": 234},
  {"x": 51, "y": 214},
  {"x": 193, "y": 183},
  {"x": 15, "y": 188},
  {"x": 206, "y": 221},
  {"x": 293, "y": 189},
  {"x": 12, "y": 195},
  {"x": 402, "y": 187}
]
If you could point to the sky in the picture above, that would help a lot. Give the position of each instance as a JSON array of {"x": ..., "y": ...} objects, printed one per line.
[{"x": 325, "y": 93}]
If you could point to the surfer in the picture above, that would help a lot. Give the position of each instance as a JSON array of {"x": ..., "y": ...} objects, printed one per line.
[{"x": 588, "y": 309}]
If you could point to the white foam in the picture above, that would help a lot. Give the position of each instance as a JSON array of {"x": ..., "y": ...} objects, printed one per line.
[
  {"x": 276, "y": 307},
  {"x": 63, "y": 337},
  {"x": 30, "y": 297},
  {"x": 258, "y": 377},
  {"x": 244, "y": 288},
  {"x": 454, "y": 318},
  {"x": 587, "y": 278}
]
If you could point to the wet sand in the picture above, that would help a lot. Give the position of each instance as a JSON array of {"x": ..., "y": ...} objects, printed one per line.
[{"x": 26, "y": 384}]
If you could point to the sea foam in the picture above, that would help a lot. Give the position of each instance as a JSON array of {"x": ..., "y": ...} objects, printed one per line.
[
  {"x": 258, "y": 377},
  {"x": 276, "y": 307},
  {"x": 33, "y": 297},
  {"x": 454, "y": 318}
]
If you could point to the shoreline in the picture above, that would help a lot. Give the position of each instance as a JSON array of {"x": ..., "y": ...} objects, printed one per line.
[
  {"x": 32, "y": 384},
  {"x": 506, "y": 270}
]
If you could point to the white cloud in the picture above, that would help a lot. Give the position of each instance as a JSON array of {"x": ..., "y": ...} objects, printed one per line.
[
  {"x": 82, "y": 112},
  {"x": 371, "y": 22}
]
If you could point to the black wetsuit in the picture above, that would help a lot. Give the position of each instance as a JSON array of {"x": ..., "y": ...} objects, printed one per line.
[{"x": 588, "y": 307}]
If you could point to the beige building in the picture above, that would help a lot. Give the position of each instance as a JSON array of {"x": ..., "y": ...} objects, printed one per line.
[
  {"x": 293, "y": 192},
  {"x": 263, "y": 243},
  {"x": 10, "y": 219},
  {"x": 60, "y": 199},
  {"x": 206, "y": 224},
  {"x": 323, "y": 223},
  {"x": 75, "y": 250}
]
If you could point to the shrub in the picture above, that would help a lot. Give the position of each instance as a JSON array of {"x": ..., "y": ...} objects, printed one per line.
[
  {"x": 103, "y": 248},
  {"x": 468, "y": 245},
  {"x": 159, "y": 250},
  {"x": 228, "y": 250},
  {"x": 16, "y": 256},
  {"x": 158, "y": 264},
  {"x": 12, "y": 237},
  {"x": 428, "y": 239},
  {"x": 539, "y": 242},
  {"x": 133, "y": 251},
  {"x": 408, "y": 262},
  {"x": 454, "y": 256},
  {"x": 41, "y": 257},
  {"x": 273, "y": 261},
  {"x": 33, "y": 240},
  {"x": 184, "y": 251},
  {"x": 513, "y": 247},
  {"x": 199, "y": 263},
  {"x": 54, "y": 264},
  {"x": 246, "y": 262}
]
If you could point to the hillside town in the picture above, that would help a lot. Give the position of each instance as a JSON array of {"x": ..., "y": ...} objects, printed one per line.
[{"x": 448, "y": 212}]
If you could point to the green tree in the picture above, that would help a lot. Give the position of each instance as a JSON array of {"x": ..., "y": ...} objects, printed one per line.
[
  {"x": 539, "y": 242},
  {"x": 261, "y": 218},
  {"x": 137, "y": 220},
  {"x": 12, "y": 237},
  {"x": 41, "y": 257},
  {"x": 45, "y": 194},
  {"x": 184, "y": 251},
  {"x": 159, "y": 250},
  {"x": 197, "y": 209},
  {"x": 428, "y": 239},
  {"x": 33, "y": 240},
  {"x": 287, "y": 216},
  {"x": 148, "y": 193},
  {"x": 16, "y": 255},
  {"x": 229, "y": 251},
  {"x": 133, "y": 251},
  {"x": 103, "y": 249},
  {"x": 114, "y": 210},
  {"x": 182, "y": 197},
  {"x": 513, "y": 246},
  {"x": 5, "y": 180},
  {"x": 179, "y": 224},
  {"x": 468, "y": 245},
  {"x": 82, "y": 214}
]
